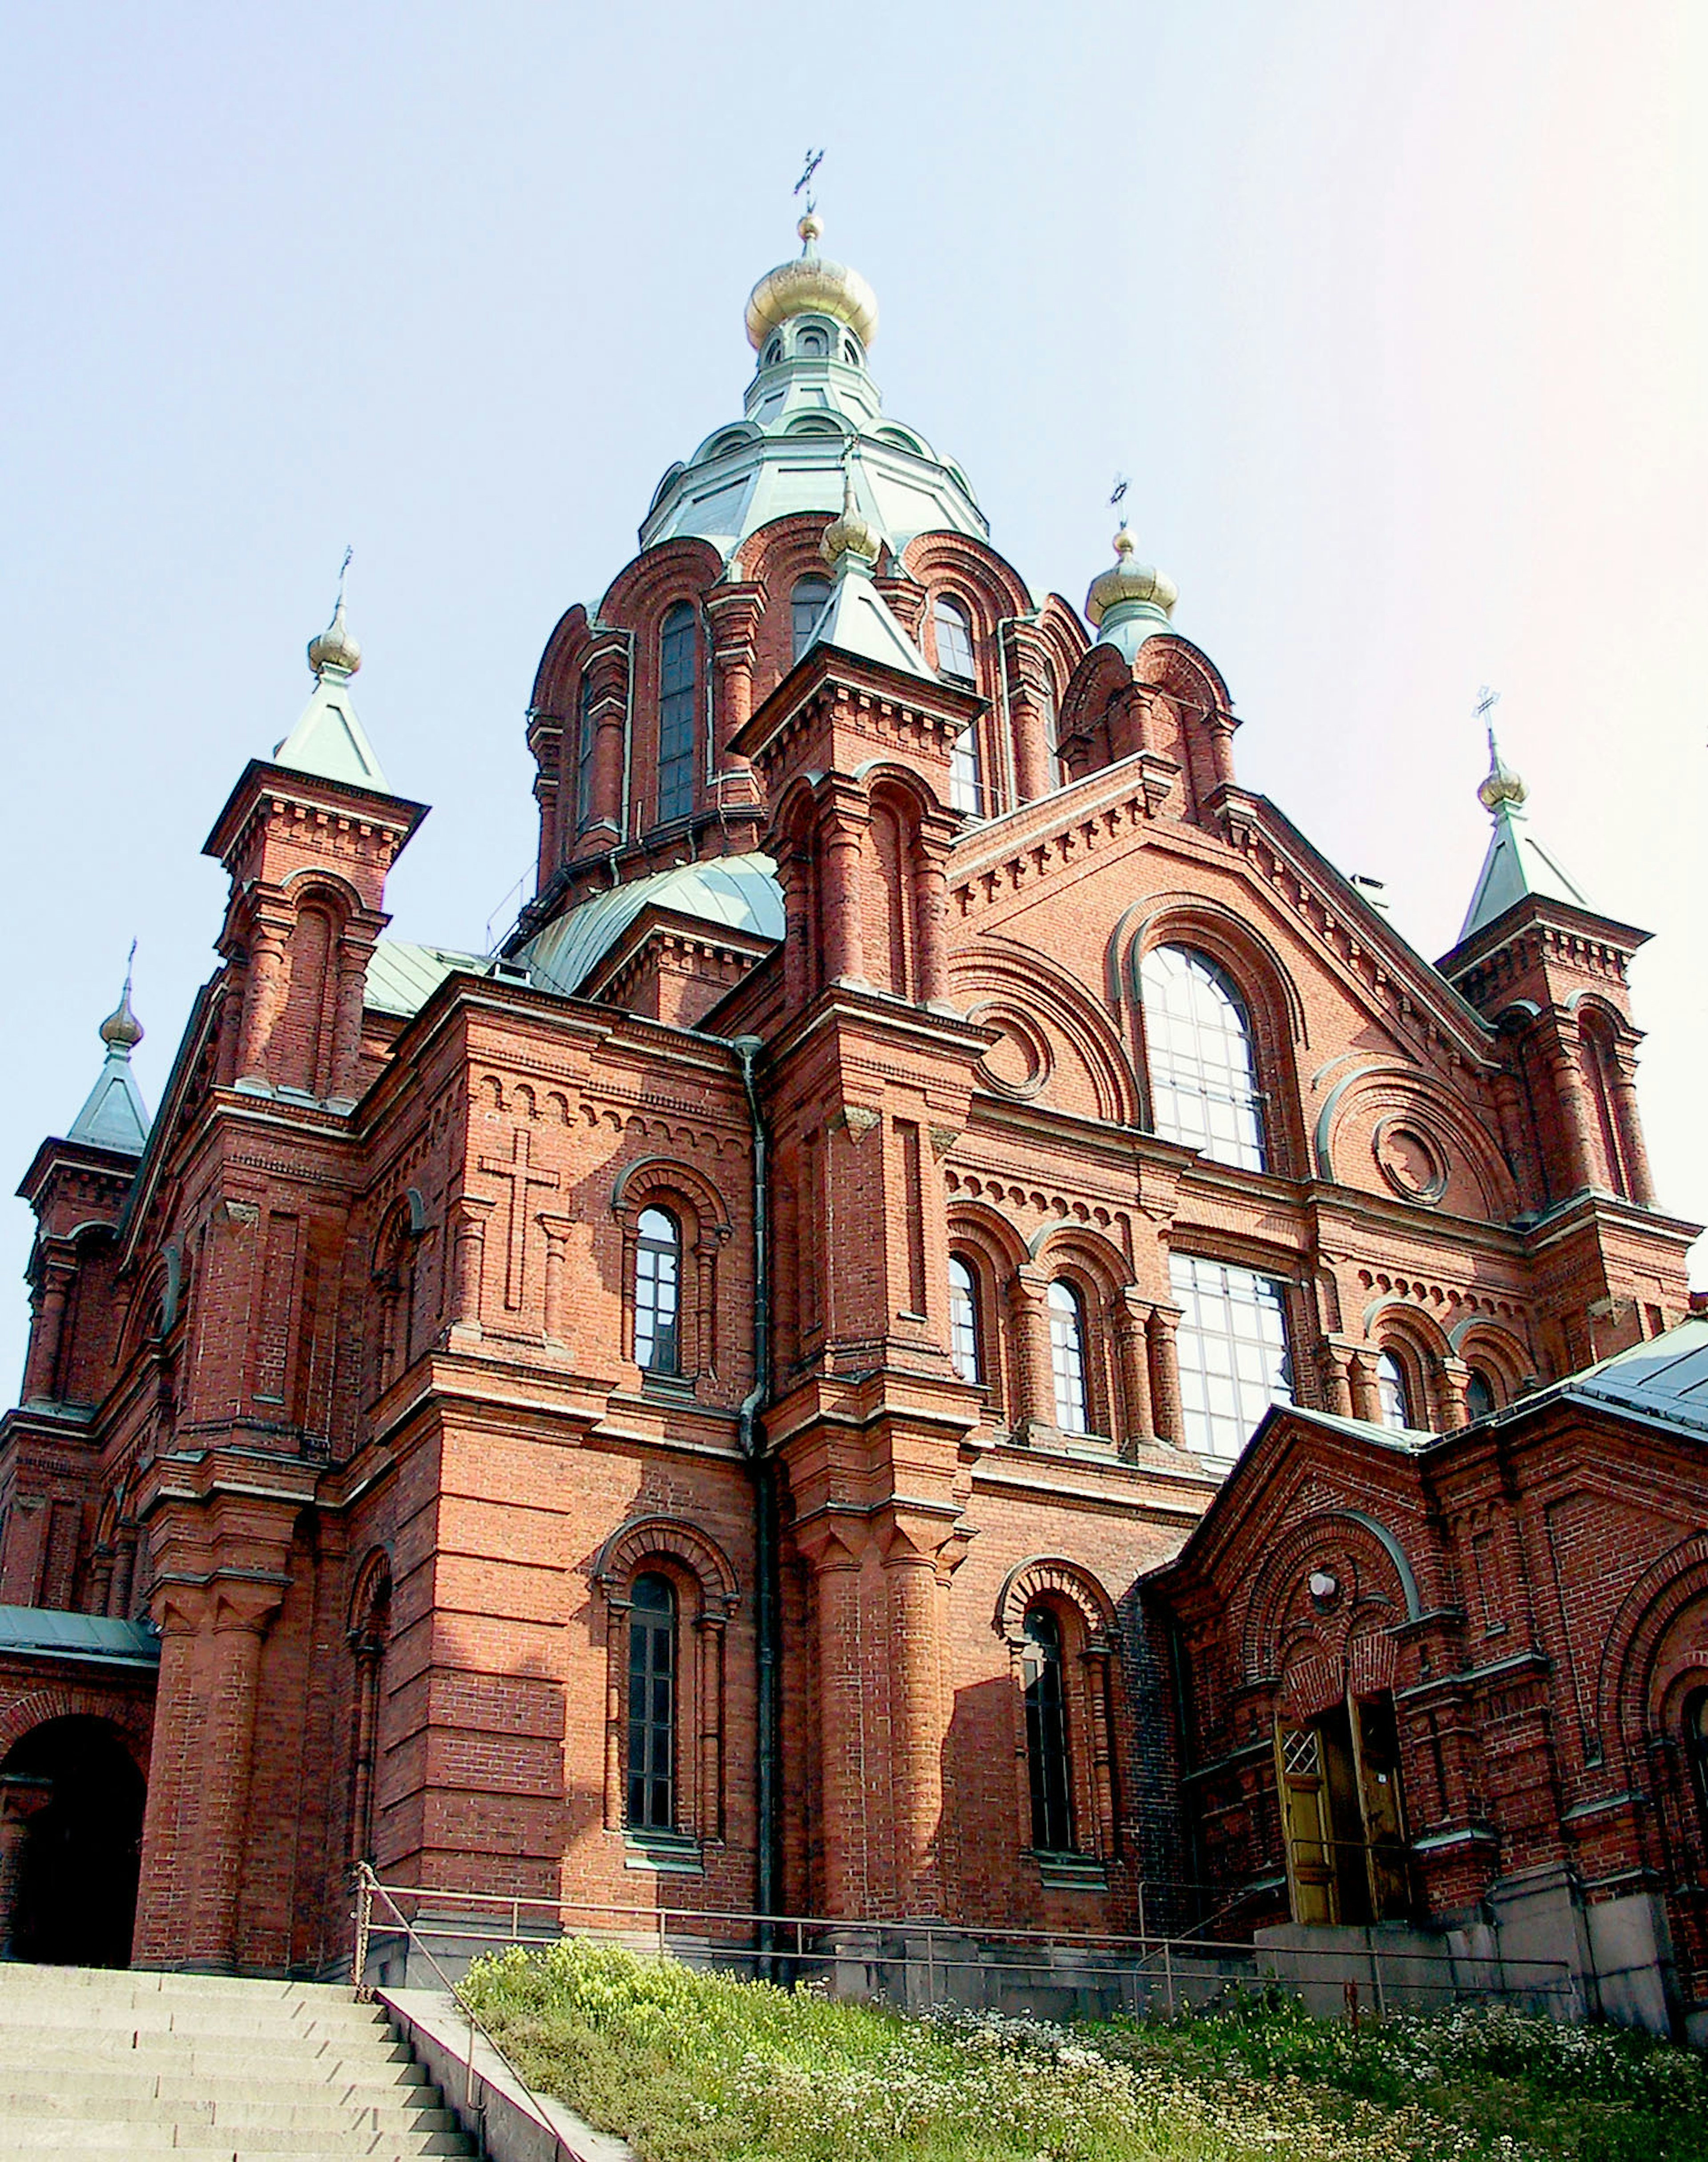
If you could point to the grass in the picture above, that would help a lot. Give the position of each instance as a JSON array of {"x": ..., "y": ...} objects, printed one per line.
[{"x": 694, "y": 2067}]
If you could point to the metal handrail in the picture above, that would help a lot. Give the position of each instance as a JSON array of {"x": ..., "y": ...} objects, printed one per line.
[{"x": 367, "y": 1889}]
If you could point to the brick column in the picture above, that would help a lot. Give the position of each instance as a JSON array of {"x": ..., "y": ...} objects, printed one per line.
[
  {"x": 170, "y": 1852},
  {"x": 264, "y": 995},
  {"x": 1031, "y": 749},
  {"x": 1130, "y": 1315},
  {"x": 241, "y": 1617},
  {"x": 1455, "y": 1378},
  {"x": 41, "y": 1369},
  {"x": 1028, "y": 1298},
  {"x": 1577, "y": 1117},
  {"x": 710, "y": 1643},
  {"x": 843, "y": 1690},
  {"x": 916, "y": 1722},
  {"x": 840, "y": 900},
  {"x": 467, "y": 1261},
  {"x": 1337, "y": 1385},
  {"x": 369, "y": 1650},
  {"x": 1367, "y": 1398},
  {"x": 1165, "y": 1374},
  {"x": 556, "y": 1304},
  {"x": 930, "y": 909},
  {"x": 1629, "y": 1124}
]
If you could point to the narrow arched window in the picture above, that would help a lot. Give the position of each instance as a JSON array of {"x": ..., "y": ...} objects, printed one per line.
[
  {"x": 658, "y": 1272},
  {"x": 964, "y": 1321},
  {"x": 1198, "y": 1039},
  {"x": 1479, "y": 1395},
  {"x": 966, "y": 778},
  {"x": 805, "y": 606},
  {"x": 676, "y": 672},
  {"x": 586, "y": 736},
  {"x": 1067, "y": 1356},
  {"x": 954, "y": 640},
  {"x": 1046, "y": 1734},
  {"x": 1390, "y": 1392},
  {"x": 652, "y": 1704}
]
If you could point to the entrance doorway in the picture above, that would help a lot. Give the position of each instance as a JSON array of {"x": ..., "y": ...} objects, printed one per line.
[
  {"x": 74, "y": 1875},
  {"x": 1343, "y": 1818}
]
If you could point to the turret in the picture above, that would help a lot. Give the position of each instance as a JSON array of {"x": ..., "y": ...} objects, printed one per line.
[{"x": 308, "y": 838}]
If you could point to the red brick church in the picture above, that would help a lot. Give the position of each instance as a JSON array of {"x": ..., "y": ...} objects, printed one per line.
[{"x": 744, "y": 1396}]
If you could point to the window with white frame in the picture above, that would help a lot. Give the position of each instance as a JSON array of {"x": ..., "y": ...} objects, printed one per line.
[
  {"x": 1067, "y": 1356},
  {"x": 658, "y": 1271},
  {"x": 1197, "y": 1045},
  {"x": 954, "y": 640},
  {"x": 964, "y": 1320},
  {"x": 586, "y": 737},
  {"x": 1390, "y": 1392},
  {"x": 1232, "y": 1352},
  {"x": 966, "y": 781}
]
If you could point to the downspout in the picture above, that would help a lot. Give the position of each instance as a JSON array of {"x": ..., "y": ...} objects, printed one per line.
[{"x": 762, "y": 1467}]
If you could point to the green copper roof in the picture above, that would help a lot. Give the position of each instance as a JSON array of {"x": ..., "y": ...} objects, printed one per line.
[
  {"x": 44, "y": 1632},
  {"x": 329, "y": 741},
  {"x": 402, "y": 978},
  {"x": 857, "y": 620},
  {"x": 739, "y": 892},
  {"x": 1516, "y": 867},
  {"x": 114, "y": 1115},
  {"x": 1667, "y": 1377}
]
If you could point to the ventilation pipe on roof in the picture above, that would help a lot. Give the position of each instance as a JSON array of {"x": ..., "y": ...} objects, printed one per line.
[{"x": 766, "y": 1538}]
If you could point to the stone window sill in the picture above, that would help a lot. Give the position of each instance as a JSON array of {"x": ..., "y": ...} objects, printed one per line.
[
  {"x": 1071, "y": 1873},
  {"x": 663, "y": 1853}
]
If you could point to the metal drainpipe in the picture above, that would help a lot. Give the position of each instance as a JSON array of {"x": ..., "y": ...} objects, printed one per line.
[{"x": 762, "y": 1467}]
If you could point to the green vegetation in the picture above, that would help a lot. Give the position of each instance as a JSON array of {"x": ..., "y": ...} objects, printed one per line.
[{"x": 693, "y": 2067}]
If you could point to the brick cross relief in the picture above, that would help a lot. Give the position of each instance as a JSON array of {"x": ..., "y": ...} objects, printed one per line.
[{"x": 521, "y": 1175}]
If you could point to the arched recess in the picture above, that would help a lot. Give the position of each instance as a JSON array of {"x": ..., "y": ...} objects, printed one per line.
[
  {"x": 1502, "y": 1358},
  {"x": 1384, "y": 1593},
  {"x": 1394, "y": 1099},
  {"x": 393, "y": 1271},
  {"x": 305, "y": 1041},
  {"x": 1418, "y": 1343},
  {"x": 73, "y": 1787},
  {"x": 1085, "y": 733},
  {"x": 1632, "y": 1679},
  {"x": 707, "y": 1595},
  {"x": 1274, "y": 1009},
  {"x": 657, "y": 1182},
  {"x": 1009, "y": 975},
  {"x": 1084, "y": 1617},
  {"x": 1098, "y": 1271},
  {"x": 368, "y": 1633},
  {"x": 988, "y": 1244}
]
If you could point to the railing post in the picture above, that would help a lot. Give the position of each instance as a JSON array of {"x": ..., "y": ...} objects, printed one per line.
[
  {"x": 1375, "y": 1979},
  {"x": 364, "y": 1924},
  {"x": 1169, "y": 1976}
]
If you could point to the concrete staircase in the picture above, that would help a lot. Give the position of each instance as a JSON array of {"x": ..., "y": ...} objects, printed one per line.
[{"x": 93, "y": 2061}]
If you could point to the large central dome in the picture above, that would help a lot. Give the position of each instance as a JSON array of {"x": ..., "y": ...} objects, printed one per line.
[{"x": 811, "y": 321}]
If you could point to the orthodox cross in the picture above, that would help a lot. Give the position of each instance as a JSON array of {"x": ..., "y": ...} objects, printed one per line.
[
  {"x": 815, "y": 158},
  {"x": 1118, "y": 493},
  {"x": 519, "y": 1170},
  {"x": 343, "y": 568},
  {"x": 1486, "y": 701}
]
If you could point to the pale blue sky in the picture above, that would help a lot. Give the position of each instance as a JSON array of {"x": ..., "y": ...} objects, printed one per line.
[{"x": 1395, "y": 315}]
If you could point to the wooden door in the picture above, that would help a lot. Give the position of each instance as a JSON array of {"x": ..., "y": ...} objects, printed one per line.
[
  {"x": 1301, "y": 1785},
  {"x": 1376, "y": 1756}
]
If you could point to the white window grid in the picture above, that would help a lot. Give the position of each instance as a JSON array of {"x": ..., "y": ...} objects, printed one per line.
[
  {"x": 1198, "y": 1043},
  {"x": 964, "y": 1321},
  {"x": 1390, "y": 1392},
  {"x": 657, "y": 1292},
  {"x": 1068, "y": 1357},
  {"x": 1232, "y": 1352},
  {"x": 954, "y": 642}
]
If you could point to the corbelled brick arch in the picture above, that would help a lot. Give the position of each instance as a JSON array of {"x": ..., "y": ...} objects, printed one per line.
[
  {"x": 1014, "y": 987},
  {"x": 132, "y": 1716},
  {"x": 1093, "y": 1714},
  {"x": 1468, "y": 1175},
  {"x": 1639, "y": 1664},
  {"x": 1278, "y": 1608}
]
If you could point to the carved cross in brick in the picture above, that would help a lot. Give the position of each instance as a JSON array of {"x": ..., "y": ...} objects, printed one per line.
[{"x": 521, "y": 1175}]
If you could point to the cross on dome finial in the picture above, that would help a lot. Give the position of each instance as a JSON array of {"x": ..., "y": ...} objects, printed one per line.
[
  {"x": 121, "y": 1030},
  {"x": 336, "y": 650},
  {"x": 850, "y": 535},
  {"x": 1501, "y": 785}
]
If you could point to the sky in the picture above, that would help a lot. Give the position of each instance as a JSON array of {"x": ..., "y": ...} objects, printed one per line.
[{"x": 1394, "y": 315}]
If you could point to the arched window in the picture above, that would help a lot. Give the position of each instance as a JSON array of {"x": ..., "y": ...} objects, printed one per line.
[
  {"x": 1204, "y": 1079},
  {"x": 954, "y": 640},
  {"x": 805, "y": 606},
  {"x": 1046, "y": 1734},
  {"x": 966, "y": 781},
  {"x": 813, "y": 345},
  {"x": 676, "y": 672},
  {"x": 1067, "y": 1356},
  {"x": 658, "y": 1276},
  {"x": 1231, "y": 1350},
  {"x": 652, "y": 1704},
  {"x": 964, "y": 1348},
  {"x": 1479, "y": 1400},
  {"x": 586, "y": 735},
  {"x": 1390, "y": 1392}
]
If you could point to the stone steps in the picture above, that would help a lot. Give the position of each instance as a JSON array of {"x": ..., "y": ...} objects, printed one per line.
[{"x": 94, "y": 2061}]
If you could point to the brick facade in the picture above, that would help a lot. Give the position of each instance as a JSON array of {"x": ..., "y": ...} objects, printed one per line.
[{"x": 339, "y": 1383}]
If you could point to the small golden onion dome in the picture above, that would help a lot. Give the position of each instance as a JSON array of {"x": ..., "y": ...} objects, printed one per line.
[
  {"x": 1129, "y": 581},
  {"x": 122, "y": 1031},
  {"x": 848, "y": 533},
  {"x": 336, "y": 646},
  {"x": 1501, "y": 785},
  {"x": 812, "y": 285}
]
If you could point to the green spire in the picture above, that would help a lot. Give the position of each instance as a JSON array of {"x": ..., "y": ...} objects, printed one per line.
[
  {"x": 114, "y": 1115},
  {"x": 328, "y": 739},
  {"x": 1516, "y": 866}
]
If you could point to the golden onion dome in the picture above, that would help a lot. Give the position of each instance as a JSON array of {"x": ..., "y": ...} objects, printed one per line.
[
  {"x": 1128, "y": 580},
  {"x": 1501, "y": 785},
  {"x": 812, "y": 285},
  {"x": 848, "y": 533},
  {"x": 336, "y": 646},
  {"x": 122, "y": 1031}
]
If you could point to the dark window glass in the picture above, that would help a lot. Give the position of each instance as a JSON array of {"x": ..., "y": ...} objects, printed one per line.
[
  {"x": 954, "y": 641},
  {"x": 586, "y": 734},
  {"x": 658, "y": 1271},
  {"x": 1204, "y": 1079},
  {"x": 1067, "y": 1356},
  {"x": 1479, "y": 1395},
  {"x": 676, "y": 672},
  {"x": 652, "y": 1705},
  {"x": 805, "y": 606},
  {"x": 964, "y": 1320},
  {"x": 1390, "y": 1392},
  {"x": 1047, "y": 1734}
]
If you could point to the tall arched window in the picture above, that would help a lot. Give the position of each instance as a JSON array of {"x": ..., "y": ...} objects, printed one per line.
[
  {"x": 954, "y": 640},
  {"x": 1390, "y": 1392},
  {"x": 586, "y": 736},
  {"x": 966, "y": 781},
  {"x": 652, "y": 1704},
  {"x": 805, "y": 606},
  {"x": 1047, "y": 1734},
  {"x": 676, "y": 672},
  {"x": 1067, "y": 1356},
  {"x": 1198, "y": 1038},
  {"x": 658, "y": 1277},
  {"x": 1479, "y": 1395},
  {"x": 964, "y": 1321},
  {"x": 1231, "y": 1350}
]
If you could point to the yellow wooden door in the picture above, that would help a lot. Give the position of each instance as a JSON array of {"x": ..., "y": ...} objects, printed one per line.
[
  {"x": 1303, "y": 1793},
  {"x": 1376, "y": 1752}
]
